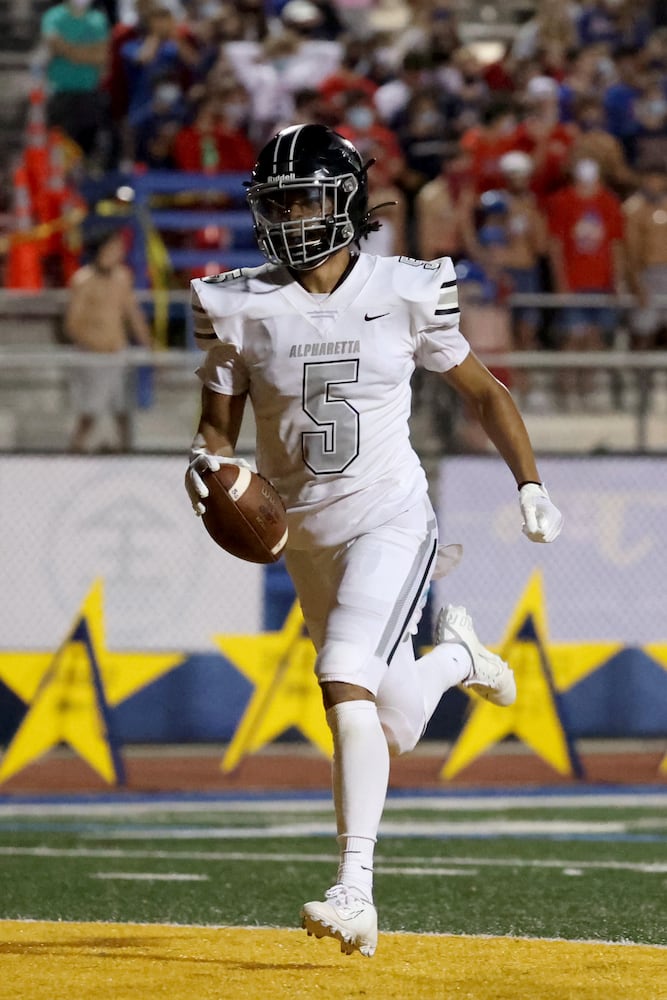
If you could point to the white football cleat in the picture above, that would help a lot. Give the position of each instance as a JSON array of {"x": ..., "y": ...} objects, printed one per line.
[
  {"x": 345, "y": 916},
  {"x": 489, "y": 676}
]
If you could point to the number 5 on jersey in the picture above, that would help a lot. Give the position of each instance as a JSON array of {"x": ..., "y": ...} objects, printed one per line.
[{"x": 336, "y": 445}]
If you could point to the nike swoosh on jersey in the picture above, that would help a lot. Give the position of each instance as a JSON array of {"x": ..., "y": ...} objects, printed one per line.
[{"x": 370, "y": 318}]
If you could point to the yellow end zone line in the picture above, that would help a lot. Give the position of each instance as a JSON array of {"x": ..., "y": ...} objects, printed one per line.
[
  {"x": 111, "y": 961},
  {"x": 293, "y": 930}
]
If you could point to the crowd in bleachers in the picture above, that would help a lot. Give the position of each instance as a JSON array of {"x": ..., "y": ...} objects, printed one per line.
[{"x": 539, "y": 164}]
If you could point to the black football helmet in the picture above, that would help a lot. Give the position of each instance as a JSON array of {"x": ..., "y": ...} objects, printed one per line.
[{"x": 308, "y": 196}]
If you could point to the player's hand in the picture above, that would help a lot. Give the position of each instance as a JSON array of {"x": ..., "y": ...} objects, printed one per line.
[
  {"x": 542, "y": 520},
  {"x": 201, "y": 461}
]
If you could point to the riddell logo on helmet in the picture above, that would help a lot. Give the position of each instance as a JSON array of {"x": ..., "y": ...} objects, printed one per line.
[{"x": 282, "y": 177}]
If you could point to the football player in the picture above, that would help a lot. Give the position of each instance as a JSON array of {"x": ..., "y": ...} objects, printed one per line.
[{"x": 324, "y": 338}]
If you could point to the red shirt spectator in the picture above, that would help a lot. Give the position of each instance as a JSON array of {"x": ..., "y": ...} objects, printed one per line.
[
  {"x": 587, "y": 220},
  {"x": 487, "y": 143},
  {"x": 361, "y": 126},
  {"x": 213, "y": 144},
  {"x": 336, "y": 88},
  {"x": 544, "y": 137},
  {"x": 549, "y": 149}
]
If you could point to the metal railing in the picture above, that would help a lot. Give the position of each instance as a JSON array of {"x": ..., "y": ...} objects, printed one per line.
[{"x": 31, "y": 366}]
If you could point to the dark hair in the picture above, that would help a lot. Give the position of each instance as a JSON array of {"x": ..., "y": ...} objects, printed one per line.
[
  {"x": 98, "y": 235},
  {"x": 495, "y": 110}
]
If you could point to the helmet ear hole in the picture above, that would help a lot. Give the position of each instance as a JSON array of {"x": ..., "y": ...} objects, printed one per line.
[{"x": 308, "y": 164}]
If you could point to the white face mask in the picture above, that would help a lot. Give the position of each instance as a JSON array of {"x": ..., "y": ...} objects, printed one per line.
[
  {"x": 587, "y": 172},
  {"x": 360, "y": 117},
  {"x": 167, "y": 93}
]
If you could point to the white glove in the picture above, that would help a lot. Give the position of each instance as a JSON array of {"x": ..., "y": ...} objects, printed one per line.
[
  {"x": 542, "y": 520},
  {"x": 200, "y": 462}
]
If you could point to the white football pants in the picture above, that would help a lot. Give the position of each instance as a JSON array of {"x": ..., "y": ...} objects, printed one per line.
[{"x": 361, "y": 602}]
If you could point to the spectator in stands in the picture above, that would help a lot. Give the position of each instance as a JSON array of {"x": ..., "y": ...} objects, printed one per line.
[
  {"x": 432, "y": 29},
  {"x": 154, "y": 133},
  {"x": 254, "y": 26},
  {"x": 646, "y": 244},
  {"x": 424, "y": 135},
  {"x": 650, "y": 111},
  {"x": 347, "y": 79},
  {"x": 554, "y": 21},
  {"x": 309, "y": 109},
  {"x": 164, "y": 54},
  {"x": 499, "y": 74},
  {"x": 274, "y": 71},
  {"x": 361, "y": 125},
  {"x": 77, "y": 40},
  {"x": 543, "y": 136},
  {"x": 594, "y": 142},
  {"x": 621, "y": 96},
  {"x": 586, "y": 253},
  {"x": 526, "y": 244},
  {"x": 217, "y": 140},
  {"x": 102, "y": 309},
  {"x": 268, "y": 81},
  {"x": 488, "y": 141},
  {"x": 462, "y": 77},
  {"x": 588, "y": 73},
  {"x": 318, "y": 19},
  {"x": 443, "y": 206},
  {"x": 392, "y": 97},
  {"x": 116, "y": 83},
  {"x": 613, "y": 23},
  {"x": 443, "y": 37}
]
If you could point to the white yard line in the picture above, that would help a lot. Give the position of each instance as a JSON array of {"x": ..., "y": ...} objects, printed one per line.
[
  {"x": 440, "y": 872},
  {"x": 648, "y": 867},
  {"x": 149, "y": 877},
  {"x": 390, "y": 828},
  {"x": 441, "y": 803}
]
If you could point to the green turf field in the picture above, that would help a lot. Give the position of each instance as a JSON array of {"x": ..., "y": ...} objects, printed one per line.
[{"x": 566, "y": 866}]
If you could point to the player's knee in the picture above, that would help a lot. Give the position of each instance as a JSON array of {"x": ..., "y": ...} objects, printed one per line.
[
  {"x": 402, "y": 733},
  {"x": 349, "y": 663}
]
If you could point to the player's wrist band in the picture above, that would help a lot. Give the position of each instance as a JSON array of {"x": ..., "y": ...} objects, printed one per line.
[{"x": 528, "y": 482}]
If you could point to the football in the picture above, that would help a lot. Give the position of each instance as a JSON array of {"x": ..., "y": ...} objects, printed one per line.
[{"x": 244, "y": 514}]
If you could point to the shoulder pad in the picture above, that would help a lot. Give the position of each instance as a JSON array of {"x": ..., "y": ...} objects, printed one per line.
[
  {"x": 420, "y": 280},
  {"x": 230, "y": 292}
]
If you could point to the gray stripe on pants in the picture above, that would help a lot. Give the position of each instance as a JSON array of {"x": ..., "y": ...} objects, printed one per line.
[{"x": 409, "y": 595}]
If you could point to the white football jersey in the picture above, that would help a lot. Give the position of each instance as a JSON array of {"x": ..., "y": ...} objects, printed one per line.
[{"x": 329, "y": 380}]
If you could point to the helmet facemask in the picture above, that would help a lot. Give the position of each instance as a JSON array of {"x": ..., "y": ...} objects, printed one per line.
[{"x": 299, "y": 222}]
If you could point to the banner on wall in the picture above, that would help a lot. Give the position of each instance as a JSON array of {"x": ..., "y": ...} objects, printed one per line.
[
  {"x": 604, "y": 577},
  {"x": 70, "y": 520}
]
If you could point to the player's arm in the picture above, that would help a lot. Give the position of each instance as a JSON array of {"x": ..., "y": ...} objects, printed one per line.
[
  {"x": 214, "y": 442},
  {"x": 220, "y": 421},
  {"x": 500, "y": 418}
]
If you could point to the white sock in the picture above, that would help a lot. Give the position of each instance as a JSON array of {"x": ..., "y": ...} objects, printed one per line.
[
  {"x": 445, "y": 666},
  {"x": 360, "y": 779}
]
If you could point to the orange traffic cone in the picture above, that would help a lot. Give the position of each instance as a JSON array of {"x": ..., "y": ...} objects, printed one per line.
[
  {"x": 50, "y": 203},
  {"x": 24, "y": 267},
  {"x": 36, "y": 141}
]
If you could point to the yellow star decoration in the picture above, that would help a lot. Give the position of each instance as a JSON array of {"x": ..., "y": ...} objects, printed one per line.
[
  {"x": 280, "y": 665},
  {"x": 542, "y": 671},
  {"x": 658, "y": 652},
  {"x": 69, "y": 693}
]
